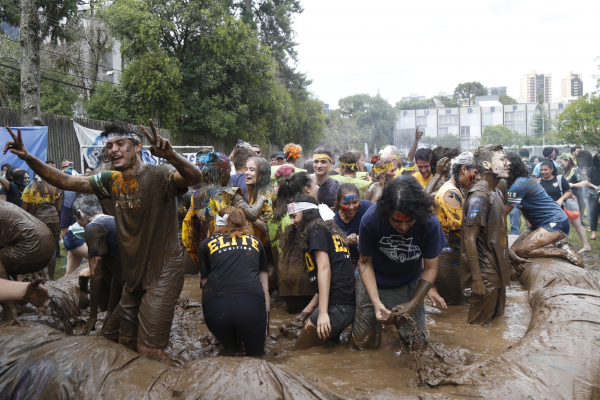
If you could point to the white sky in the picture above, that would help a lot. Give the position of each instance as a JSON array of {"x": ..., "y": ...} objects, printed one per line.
[{"x": 401, "y": 47}]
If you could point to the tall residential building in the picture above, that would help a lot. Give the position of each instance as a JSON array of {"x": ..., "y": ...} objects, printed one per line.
[
  {"x": 493, "y": 91},
  {"x": 571, "y": 86},
  {"x": 534, "y": 84}
]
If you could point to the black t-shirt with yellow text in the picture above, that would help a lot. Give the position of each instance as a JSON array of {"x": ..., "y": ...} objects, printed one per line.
[
  {"x": 341, "y": 288},
  {"x": 232, "y": 266}
]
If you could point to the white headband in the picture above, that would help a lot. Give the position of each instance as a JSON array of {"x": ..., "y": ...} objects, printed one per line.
[
  {"x": 324, "y": 210},
  {"x": 463, "y": 158},
  {"x": 221, "y": 221},
  {"x": 130, "y": 135}
]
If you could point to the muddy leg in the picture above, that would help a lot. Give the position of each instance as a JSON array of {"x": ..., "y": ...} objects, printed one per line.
[
  {"x": 308, "y": 337},
  {"x": 534, "y": 245},
  {"x": 154, "y": 354},
  {"x": 526, "y": 233},
  {"x": 129, "y": 342},
  {"x": 9, "y": 312}
]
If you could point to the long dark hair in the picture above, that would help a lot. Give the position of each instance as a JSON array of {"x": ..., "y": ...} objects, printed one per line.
[
  {"x": 584, "y": 159},
  {"x": 263, "y": 178},
  {"x": 596, "y": 163},
  {"x": 19, "y": 176},
  {"x": 406, "y": 195},
  {"x": 518, "y": 169},
  {"x": 288, "y": 189},
  {"x": 552, "y": 167}
]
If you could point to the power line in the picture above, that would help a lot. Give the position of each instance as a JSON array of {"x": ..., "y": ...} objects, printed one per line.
[
  {"x": 50, "y": 79},
  {"x": 71, "y": 57}
]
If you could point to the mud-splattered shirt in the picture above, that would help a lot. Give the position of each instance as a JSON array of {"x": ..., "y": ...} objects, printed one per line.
[
  {"x": 485, "y": 208},
  {"x": 101, "y": 240},
  {"x": 146, "y": 221},
  {"x": 232, "y": 266}
]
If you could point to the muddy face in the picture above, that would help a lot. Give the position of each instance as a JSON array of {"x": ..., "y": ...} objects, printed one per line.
[
  {"x": 500, "y": 164},
  {"x": 122, "y": 152}
]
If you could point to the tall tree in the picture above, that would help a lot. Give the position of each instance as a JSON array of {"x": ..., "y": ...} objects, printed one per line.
[
  {"x": 30, "y": 63},
  {"x": 580, "y": 121},
  {"x": 468, "y": 91},
  {"x": 343, "y": 134},
  {"x": 540, "y": 121},
  {"x": 374, "y": 112}
]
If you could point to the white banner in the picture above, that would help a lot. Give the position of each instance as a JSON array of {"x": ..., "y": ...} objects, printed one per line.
[{"x": 93, "y": 156}]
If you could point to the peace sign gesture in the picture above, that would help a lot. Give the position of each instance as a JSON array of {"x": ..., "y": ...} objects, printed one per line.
[
  {"x": 16, "y": 146},
  {"x": 160, "y": 146}
]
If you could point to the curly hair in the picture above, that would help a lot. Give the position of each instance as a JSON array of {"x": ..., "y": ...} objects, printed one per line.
[
  {"x": 484, "y": 153},
  {"x": 406, "y": 195},
  {"x": 293, "y": 152},
  {"x": 440, "y": 152},
  {"x": 517, "y": 168},
  {"x": 122, "y": 127}
]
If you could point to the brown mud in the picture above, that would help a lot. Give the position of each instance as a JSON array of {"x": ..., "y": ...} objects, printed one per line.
[{"x": 545, "y": 346}]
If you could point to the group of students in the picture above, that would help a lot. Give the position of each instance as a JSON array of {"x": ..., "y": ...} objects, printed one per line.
[{"x": 351, "y": 249}]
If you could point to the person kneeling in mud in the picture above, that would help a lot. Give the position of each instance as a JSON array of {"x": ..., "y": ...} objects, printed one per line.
[
  {"x": 235, "y": 288},
  {"x": 105, "y": 272},
  {"x": 400, "y": 241},
  {"x": 329, "y": 268}
]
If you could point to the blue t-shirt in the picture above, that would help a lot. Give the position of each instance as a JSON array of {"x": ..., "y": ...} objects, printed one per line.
[
  {"x": 68, "y": 198},
  {"x": 101, "y": 238},
  {"x": 239, "y": 180},
  {"x": 536, "y": 205},
  {"x": 398, "y": 259},
  {"x": 354, "y": 225},
  {"x": 13, "y": 195},
  {"x": 536, "y": 170}
]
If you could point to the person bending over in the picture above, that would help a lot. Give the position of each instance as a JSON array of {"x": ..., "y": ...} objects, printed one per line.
[
  {"x": 235, "y": 289},
  {"x": 105, "y": 271},
  {"x": 329, "y": 268},
  {"x": 144, "y": 197},
  {"x": 400, "y": 241},
  {"x": 549, "y": 223}
]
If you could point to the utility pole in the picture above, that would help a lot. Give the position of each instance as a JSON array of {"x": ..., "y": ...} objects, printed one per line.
[{"x": 30, "y": 63}]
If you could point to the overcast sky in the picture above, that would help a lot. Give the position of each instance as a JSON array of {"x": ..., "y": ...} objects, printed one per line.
[{"x": 401, "y": 47}]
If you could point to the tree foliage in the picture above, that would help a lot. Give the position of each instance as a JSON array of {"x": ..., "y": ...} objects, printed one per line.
[
  {"x": 372, "y": 112},
  {"x": 540, "y": 121},
  {"x": 580, "y": 121},
  {"x": 415, "y": 104},
  {"x": 468, "y": 91},
  {"x": 500, "y": 134},
  {"x": 343, "y": 134},
  {"x": 507, "y": 100}
]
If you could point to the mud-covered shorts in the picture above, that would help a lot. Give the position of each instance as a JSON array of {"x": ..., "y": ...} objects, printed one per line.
[
  {"x": 366, "y": 330},
  {"x": 562, "y": 226},
  {"x": 340, "y": 317},
  {"x": 148, "y": 313}
]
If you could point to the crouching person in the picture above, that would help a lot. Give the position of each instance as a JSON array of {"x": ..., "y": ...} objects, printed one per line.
[
  {"x": 329, "y": 268},
  {"x": 106, "y": 272},
  {"x": 400, "y": 240}
]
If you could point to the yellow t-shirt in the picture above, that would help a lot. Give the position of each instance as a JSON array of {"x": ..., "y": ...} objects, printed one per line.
[
  {"x": 450, "y": 217},
  {"x": 422, "y": 180}
]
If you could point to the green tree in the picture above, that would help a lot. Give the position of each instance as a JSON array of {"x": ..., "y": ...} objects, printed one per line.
[
  {"x": 374, "y": 112},
  {"x": 448, "y": 140},
  {"x": 540, "y": 121},
  {"x": 580, "y": 121},
  {"x": 500, "y": 134},
  {"x": 507, "y": 100},
  {"x": 468, "y": 91},
  {"x": 110, "y": 102},
  {"x": 415, "y": 104}
]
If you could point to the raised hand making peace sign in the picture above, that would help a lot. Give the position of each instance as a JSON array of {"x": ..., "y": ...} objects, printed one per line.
[
  {"x": 160, "y": 146},
  {"x": 16, "y": 146}
]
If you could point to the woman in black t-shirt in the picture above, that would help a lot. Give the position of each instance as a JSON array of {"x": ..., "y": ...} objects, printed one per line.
[
  {"x": 329, "y": 268},
  {"x": 593, "y": 174},
  {"x": 559, "y": 192},
  {"x": 235, "y": 289}
]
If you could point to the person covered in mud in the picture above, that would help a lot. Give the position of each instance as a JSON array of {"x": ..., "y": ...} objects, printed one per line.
[
  {"x": 330, "y": 271},
  {"x": 382, "y": 174},
  {"x": 322, "y": 162},
  {"x": 349, "y": 210},
  {"x": 26, "y": 246},
  {"x": 440, "y": 157},
  {"x": 549, "y": 223},
  {"x": 292, "y": 282},
  {"x": 25, "y": 292},
  {"x": 235, "y": 289},
  {"x": 200, "y": 221},
  {"x": 42, "y": 200},
  {"x": 484, "y": 262},
  {"x": 105, "y": 273},
  {"x": 146, "y": 219},
  {"x": 258, "y": 182},
  {"x": 400, "y": 241}
]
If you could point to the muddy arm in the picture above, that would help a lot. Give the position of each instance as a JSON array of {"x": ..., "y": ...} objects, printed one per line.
[
  {"x": 252, "y": 212},
  {"x": 96, "y": 280},
  {"x": 367, "y": 274},
  {"x": 441, "y": 169},
  {"x": 470, "y": 233}
]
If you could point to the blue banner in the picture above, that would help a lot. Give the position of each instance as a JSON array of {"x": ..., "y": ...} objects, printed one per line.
[{"x": 35, "y": 139}]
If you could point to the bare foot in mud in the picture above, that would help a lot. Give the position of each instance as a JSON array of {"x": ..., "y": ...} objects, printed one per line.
[
  {"x": 155, "y": 354},
  {"x": 572, "y": 255}
]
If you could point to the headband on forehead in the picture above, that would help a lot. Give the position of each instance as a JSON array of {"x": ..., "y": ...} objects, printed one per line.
[
  {"x": 384, "y": 168},
  {"x": 130, "y": 135},
  {"x": 553, "y": 153},
  {"x": 353, "y": 167},
  {"x": 316, "y": 156},
  {"x": 324, "y": 210},
  {"x": 222, "y": 221},
  {"x": 463, "y": 158}
]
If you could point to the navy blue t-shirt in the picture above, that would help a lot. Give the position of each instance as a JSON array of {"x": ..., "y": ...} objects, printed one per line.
[
  {"x": 536, "y": 205},
  {"x": 101, "y": 238},
  {"x": 239, "y": 180},
  {"x": 354, "y": 225},
  {"x": 13, "y": 195},
  {"x": 397, "y": 258}
]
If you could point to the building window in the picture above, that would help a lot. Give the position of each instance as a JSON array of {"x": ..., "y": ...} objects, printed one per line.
[
  {"x": 442, "y": 131},
  {"x": 448, "y": 120},
  {"x": 422, "y": 122},
  {"x": 465, "y": 132}
]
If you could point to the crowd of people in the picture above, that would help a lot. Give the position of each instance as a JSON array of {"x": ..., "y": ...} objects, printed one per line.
[{"x": 346, "y": 243}]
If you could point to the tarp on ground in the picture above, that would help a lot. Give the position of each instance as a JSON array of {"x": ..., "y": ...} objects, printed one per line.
[{"x": 35, "y": 139}]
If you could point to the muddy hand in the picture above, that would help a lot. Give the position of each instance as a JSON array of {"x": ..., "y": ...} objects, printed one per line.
[
  {"x": 90, "y": 326},
  {"x": 381, "y": 313},
  {"x": 443, "y": 166},
  {"x": 518, "y": 263},
  {"x": 160, "y": 146},
  {"x": 37, "y": 295},
  {"x": 16, "y": 146},
  {"x": 478, "y": 289}
]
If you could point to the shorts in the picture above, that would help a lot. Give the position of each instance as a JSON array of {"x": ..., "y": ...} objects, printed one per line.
[
  {"x": 366, "y": 330},
  {"x": 562, "y": 226},
  {"x": 340, "y": 317},
  {"x": 66, "y": 218},
  {"x": 71, "y": 242}
]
